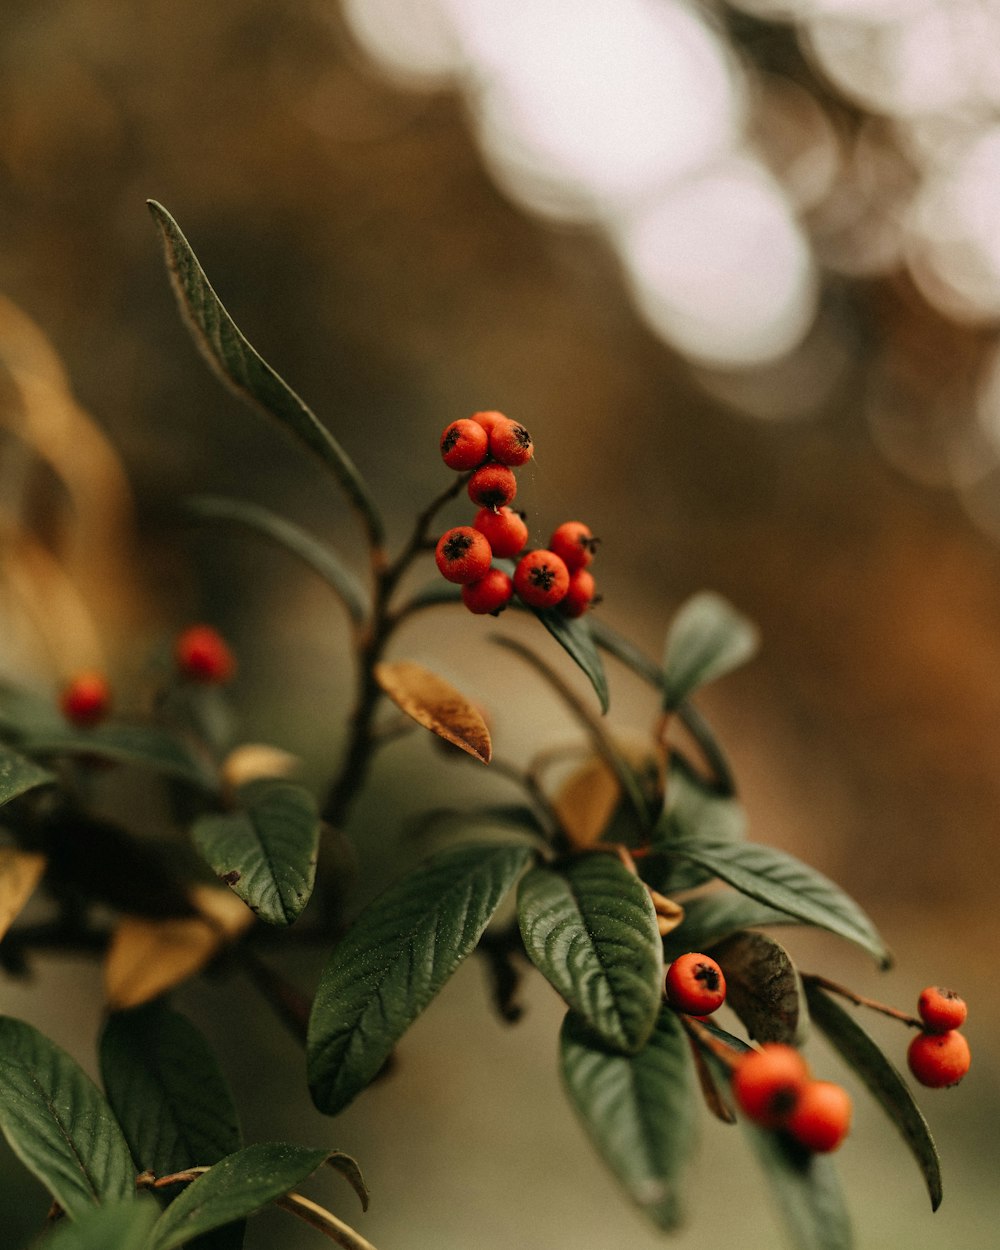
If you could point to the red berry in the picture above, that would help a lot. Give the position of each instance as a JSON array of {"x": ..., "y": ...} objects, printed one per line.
[
  {"x": 510, "y": 443},
  {"x": 767, "y": 1083},
  {"x": 821, "y": 1117},
  {"x": 464, "y": 445},
  {"x": 86, "y": 699},
  {"x": 941, "y": 1010},
  {"x": 488, "y": 419},
  {"x": 492, "y": 486},
  {"x": 939, "y": 1059},
  {"x": 695, "y": 984},
  {"x": 463, "y": 555},
  {"x": 574, "y": 542},
  {"x": 541, "y": 579},
  {"x": 490, "y": 595},
  {"x": 580, "y": 594},
  {"x": 203, "y": 655},
  {"x": 504, "y": 530}
]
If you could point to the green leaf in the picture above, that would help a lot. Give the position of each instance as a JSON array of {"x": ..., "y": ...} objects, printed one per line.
[
  {"x": 711, "y": 917},
  {"x": 117, "y": 1226},
  {"x": 624, "y": 649},
  {"x": 398, "y": 954},
  {"x": 780, "y": 880},
  {"x": 233, "y": 1189},
  {"x": 763, "y": 987},
  {"x": 886, "y": 1085},
  {"x": 639, "y": 1110},
  {"x": 247, "y": 374},
  {"x": 58, "y": 1123},
  {"x": 141, "y": 745},
  {"x": 693, "y": 814},
  {"x": 707, "y": 639},
  {"x": 322, "y": 559},
  {"x": 167, "y": 1090},
  {"x": 18, "y": 775},
  {"x": 590, "y": 929},
  {"x": 577, "y": 641},
  {"x": 266, "y": 851}
]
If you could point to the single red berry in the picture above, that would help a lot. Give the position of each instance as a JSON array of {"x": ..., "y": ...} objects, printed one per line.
[
  {"x": 488, "y": 419},
  {"x": 492, "y": 486},
  {"x": 490, "y": 595},
  {"x": 580, "y": 594},
  {"x": 941, "y": 1010},
  {"x": 767, "y": 1083},
  {"x": 203, "y": 655},
  {"x": 575, "y": 543},
  {"x": 541, "y": 579},
  {"x": 86, "y": 699},
  {"x": 504, "y": 530},
  {"x": 463, "y": 555},
  {"x": 695, "y": 984},
  {"x": 821, "y": 1117},
  {"x": 510, "y": 443},
  {"x": 939, "y": 1059},
  {"x": 464, "y": 445}
]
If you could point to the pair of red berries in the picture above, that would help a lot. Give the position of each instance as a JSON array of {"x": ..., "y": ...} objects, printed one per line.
[
  {"x": 939, "y": 1055},
  {"x": 773, "y": 1088},
  {"x": 201, "y": 654}
]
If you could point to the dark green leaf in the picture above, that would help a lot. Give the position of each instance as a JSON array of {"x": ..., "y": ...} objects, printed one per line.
[
  {"x": 707, "y": 639},
  {"x": 117, "y": 1226},
  {"x": 575, "y": 638},
  {"x": 265, "y": 851},
  {"x": 18, "y": 775},
  {"x": 234, "y": 1188},
  {"x": 167, "y": 1090},
  {"x": 398, "y": 954},
  {"x": 590, "y": 928},
  {"x": 317, "y": 555},
  {"x": 763, "y": 988},
  {"x": 247, "y": 374},
  {"x": 780, "y": 880},
  {"x": 142, "y": 745},
  {"x": 639, "y": 1110},
  {"x": 58, "y": 1123},
  {"x": 885, "y": 1084},
  {"x": 693, "y": 814},
  {"x": 712, "y": 917}
]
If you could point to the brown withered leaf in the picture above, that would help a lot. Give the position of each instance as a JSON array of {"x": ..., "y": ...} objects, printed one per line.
[
  {"x": 436, "y": 705},
  {"x": 589, "y": 797},
  {"x": 20, "y": 873},
  {"x": 254, "y": 760},
  {"x": 148, "y": 957}
]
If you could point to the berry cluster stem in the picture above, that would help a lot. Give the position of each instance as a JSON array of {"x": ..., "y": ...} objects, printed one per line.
[
  {"x": 725, "y": 1054},
  {"x": 861, "y": 1001}
]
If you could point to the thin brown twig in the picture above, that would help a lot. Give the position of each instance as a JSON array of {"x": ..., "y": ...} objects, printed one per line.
[
  {"x": 322, "y": 1220},
  {"x": 861, "y": 1001}
]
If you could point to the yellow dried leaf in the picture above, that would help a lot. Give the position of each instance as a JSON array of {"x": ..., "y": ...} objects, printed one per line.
[
  {"x": 254, "y": 760},
  {"x": 436, "y": 705},
  {"x": 20, "y": 872},
  {"x": 588, "y": 798}
]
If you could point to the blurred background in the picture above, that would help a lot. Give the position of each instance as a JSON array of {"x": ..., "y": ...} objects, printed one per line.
[{"x": 737, "y": 268}]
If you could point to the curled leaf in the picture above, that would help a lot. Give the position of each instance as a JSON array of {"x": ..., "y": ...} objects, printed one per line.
[
  {"x": 762, "y": 987},
  {"x": 437, "y": 705}
]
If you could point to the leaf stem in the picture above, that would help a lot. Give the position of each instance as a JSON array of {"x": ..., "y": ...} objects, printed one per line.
[
  {"x": 861, "y": 1001},
  {"x": 322, "y": 1220}
]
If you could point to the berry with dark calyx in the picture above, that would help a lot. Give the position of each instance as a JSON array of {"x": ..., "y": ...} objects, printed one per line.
[
  {"x": 463, "y": 555},
  {"x": 464, "y": 445},
  {"x": 492, "y": 486},
  {"x": 579, "y": 595},
  {"x": 510, "y": 443},
  {"x": 203, "y": 655},
  {"x": 822, "y": 1116},
  {"x": 86, "y": 699},
  {"x": 490, "y": 595},
  {"x": 695, "y": 984},
  {"x": 941, "y": 1010},
  {"x": 939, "y": 1059},
  {"x": 505, "y": 530},
  {"x": 488, "y": 419},
  {"x": 541, "y": 579},
  {"x": 767, "y": 1083},
  {"x": 574, "y": 542}
]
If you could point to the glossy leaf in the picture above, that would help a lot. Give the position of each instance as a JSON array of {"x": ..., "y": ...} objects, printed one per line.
[
  {"x": 266, "y": 850},
  {"x": 577, "y": 641},
  {"x": 707, "y": 639},
  {"x": 117, "y": 1226},
  {"x": 590, "y": 929},
  {"x": 142, "y": 745},
  {"x": 247, "y": 374},
  {"x": 780, "y": 880},
  {"x": 437, "y": 705},
  {"x": 58, "y": 1123},
  {"x": 19, "y": 775},
  {"x": 711, "y": 917},
  {"x": 233, "y": 1189},
  {"x": 322, "y": 559},
  {"x": 400, "y": 951},
  {"x": 639, "y": 1110},
  {"x": 20, "y": 873},
  {"x": 167, "y": 1090},
  {"x": 884, "y": 1082},
  {"x": 763, "y": 987}
]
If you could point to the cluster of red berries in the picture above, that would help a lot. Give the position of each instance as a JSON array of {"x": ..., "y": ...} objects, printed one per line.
[
  {"x": 773, "y": 1088},
  {"x": 939, "y": 1055},
  {"x": 201, "y": 654},
  {"x": 492, "y": 446}
]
